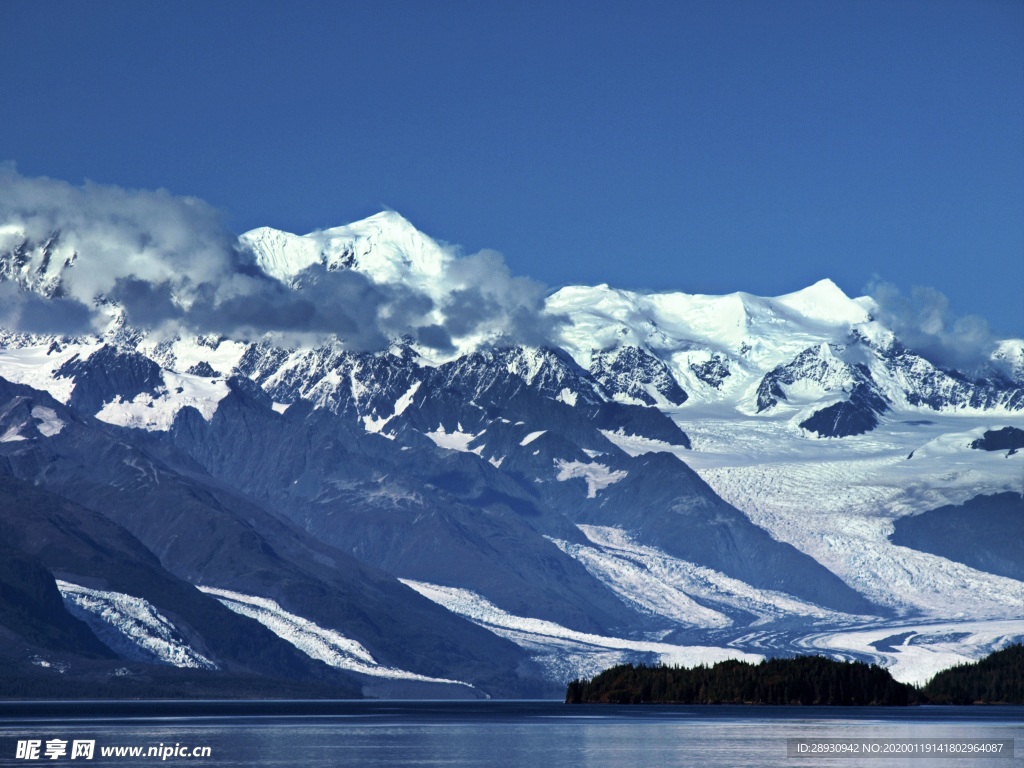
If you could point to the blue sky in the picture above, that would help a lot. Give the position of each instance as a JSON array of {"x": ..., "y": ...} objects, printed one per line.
[{"x": 702, "y": 146}]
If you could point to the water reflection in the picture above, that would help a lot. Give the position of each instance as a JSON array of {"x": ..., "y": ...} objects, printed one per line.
[{"x": 463, "y": 734}]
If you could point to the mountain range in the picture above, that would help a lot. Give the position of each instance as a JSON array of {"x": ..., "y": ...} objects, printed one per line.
[{"x": 466, "y": 510}]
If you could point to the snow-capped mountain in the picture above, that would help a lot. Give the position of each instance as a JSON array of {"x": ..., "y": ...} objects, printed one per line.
[
  {"x": 385, "y": 247},
  {"x": 37, "y": 266},
  {"x": 667, "y": 476}
]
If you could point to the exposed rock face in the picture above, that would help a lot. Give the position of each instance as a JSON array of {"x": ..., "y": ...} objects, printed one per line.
[
  {"x": 316, "y": 477},
  {"x": 633, "y": 374}
]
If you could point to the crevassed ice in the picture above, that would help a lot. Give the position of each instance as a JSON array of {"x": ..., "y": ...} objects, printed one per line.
[
  {"x": 663, "y": 584},
  {"x": 566, "y": 653},
  {"x": 131, "y": 626},
  {"x": 916, "y": 652},
  {"x": 317, "y": 642}
]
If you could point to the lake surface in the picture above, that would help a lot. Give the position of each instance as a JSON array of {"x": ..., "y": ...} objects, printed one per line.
[{"x": 374, "y": 734}]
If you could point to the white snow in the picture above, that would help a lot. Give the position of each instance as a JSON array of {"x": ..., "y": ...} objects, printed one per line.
[
  {"x": 837, "y": 500},
  {"x": 131, "y": 626},
  {"x": 406, "y": 399},
  {"x": 181, "y": 353},
  {"x": 665, "y": 585},
  {"x": 752, "y": 333},
  {"x": 157, "y": 413},
  {"x": 375, "y": 425},
  {"x": 566, "y": 653},
  {"x": 750, "y": 336},
  {"x": 824, "y": 302},
  {"x": 385, "y": 247},
  {"x": 455, "y": 441},
  {"x": 531, "y": 437},
  {"x": 12, "y": 435},
  {"x": 51, "y": 425},
  {"x": 326, "y": 645},
  {"x": 567, "y": 396},
  {"x": 35, "y": 365},
  {"x": 598, "y": 476},
  {"x": 919, "y": 651},
  {"x": 280, "y": 407},
  {"x": 635, "y": 445}
]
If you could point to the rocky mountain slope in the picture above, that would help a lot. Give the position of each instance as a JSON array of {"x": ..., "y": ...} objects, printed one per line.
[{"x": 662, "y": 477}]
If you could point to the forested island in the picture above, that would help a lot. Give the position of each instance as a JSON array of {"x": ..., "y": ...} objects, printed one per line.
[
  {"x": 804, "y": 680},
  {"x": 996, "y": 679}
]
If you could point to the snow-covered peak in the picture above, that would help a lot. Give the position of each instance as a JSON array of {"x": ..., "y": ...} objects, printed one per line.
[
  {"x": 825, "y": 302},
  {"x": 761, "y": 330},
  {"x": 1009, "y": 355},
  {"x": 36, "y": 266},
  {"x": 384, "y": 247},
  {"x": 282, "y": 255}
]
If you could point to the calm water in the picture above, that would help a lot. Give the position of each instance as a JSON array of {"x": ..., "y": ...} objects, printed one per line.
[{"x": 449, "y": 734}]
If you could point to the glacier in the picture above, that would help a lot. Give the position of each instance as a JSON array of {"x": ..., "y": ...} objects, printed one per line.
[
  {"x": 326, "y": 645},
  {"x": 131, "y": 627},
  {"x": 802, "y": 411},
  {"x": 567, "y": 654}
]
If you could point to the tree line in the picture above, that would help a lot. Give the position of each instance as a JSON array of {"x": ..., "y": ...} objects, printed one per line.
[{"x": 805, "y": 680}]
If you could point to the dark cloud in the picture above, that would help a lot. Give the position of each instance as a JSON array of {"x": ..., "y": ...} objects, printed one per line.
[
  {"x": 171, "y": 264},
  {"x": 467, "y": 308},
  {"x": 117, "y": 233},
  {"x": 925, "y": 323},
  {"x": 31, "y": 313},
  {"x": 435, "y": 337}
]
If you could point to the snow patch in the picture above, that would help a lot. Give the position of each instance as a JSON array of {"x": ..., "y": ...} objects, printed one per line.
[
  {"x": 50, "y": 425},
  {"x": 598, "y": 476},
  {"x": 406, "y": 399},
  {"x": 567, "y": 396},
  {"x": 370, "y": 424},
  {"x": 455, "y": 441},
  {"x": 531, "y": 437},
  {"x": 11, "y": 435},
  {"x": 635, "y": 445},
  {"x": 280, "y": 407}
]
